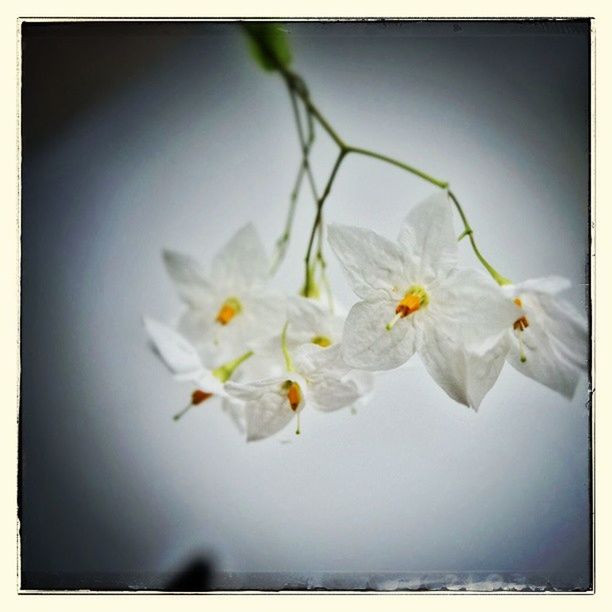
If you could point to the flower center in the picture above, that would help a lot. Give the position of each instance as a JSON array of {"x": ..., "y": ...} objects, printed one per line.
[
  {"x": 229, "y": 309},
  {"x": 520, "y": 325},
  {"x": 415, "y": 298},
  {"x": 323, "y": 341}
]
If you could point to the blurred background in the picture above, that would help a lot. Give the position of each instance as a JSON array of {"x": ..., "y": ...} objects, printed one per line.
[{"x": 151, "y": 135}]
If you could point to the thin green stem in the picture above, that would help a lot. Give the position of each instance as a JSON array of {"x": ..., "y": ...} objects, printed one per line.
[
  {"x": 399, "y": 164},
  {"x": 283, "y": 241},
  {"x": 305, "y": 144},
  {"x": 318, "y": 216},
  {"x": 468, "y": 231},
  {"x": 296, "y": 84}
]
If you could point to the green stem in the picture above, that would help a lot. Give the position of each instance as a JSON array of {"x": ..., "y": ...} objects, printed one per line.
[
  {"x": 318, "y": 216},
  {"x": 399, "y": 164},
  {"x": 286, "y": 355},
  {"x": 296, "y": 84},
  {"x": 225, "y": 371},
  {"x": 499, "y": 279},
  {"x": 304, "y": 143}
]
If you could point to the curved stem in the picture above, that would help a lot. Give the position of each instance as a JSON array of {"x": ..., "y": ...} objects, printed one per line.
[
  {"x": 468, "y": 231},
  {"x": 296, "y": 84},
  {"x": 399, "y": 164}
]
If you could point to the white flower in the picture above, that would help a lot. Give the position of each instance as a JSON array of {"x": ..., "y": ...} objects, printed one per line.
[
  {"x": 186, "y": 364},
  {"x": 549, "y": 339},
  {"x": 312, "y": 327},
  {"x": 414, "y": 298},
  {"x": 228, "y": 307},
  {"x": 312, "y": 380}
]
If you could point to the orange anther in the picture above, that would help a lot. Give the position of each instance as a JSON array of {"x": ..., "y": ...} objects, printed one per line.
[
  {"x": 411, "y": 303},
  {"x": 518, "y": 302},
  {"x": 225, "y": 314},
  {"x": 199, "y": 396},
  {"x": 521, "y": 324},
  {"x": 294, "y": 396}
]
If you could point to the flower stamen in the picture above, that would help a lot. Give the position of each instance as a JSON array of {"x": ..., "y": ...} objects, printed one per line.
[
  {"x": 197, "y": 397},
  {"x": 323, "y": 341},
  {"x": 229, "y": 309},
  {"x": 294, "y": 395},
  {"x": 415, "y": 298}
]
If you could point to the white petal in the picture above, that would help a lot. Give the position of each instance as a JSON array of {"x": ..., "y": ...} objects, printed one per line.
[
  {"x": 546, "y": 284},
  {"x": 235, "y": 411},
  {"x": 471, "y": 308},
  {"x": 373, "y": 264},
  {"x": 328, "y": 393},
  {"x": 428, "y": 236},
  {"x": 306, "y": 317},
  {"x": 208, "y": 382},
  {"x": 465, "y": 376},
  {"x": 180, "y": 356},
  {"x": 543, "y": 364},
  {"x": 368, "y": 345},
  {"x": 243, "y": 260},
  {"x": 189, "y": 278},
  {"x": 567, "y": 330},
  {"x": 267, "y": 409}
]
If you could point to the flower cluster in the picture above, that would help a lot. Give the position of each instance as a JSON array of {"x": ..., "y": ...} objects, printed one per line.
[{"x": 268, "y": 356}]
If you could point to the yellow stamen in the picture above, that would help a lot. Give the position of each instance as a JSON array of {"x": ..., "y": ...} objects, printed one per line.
[
  {"x": 518, "y": 302},
  {"x": 411, "y": 303},
  {"x": 415, "y": 298},
  {"x": 230, "y": 308},
  {"x": 323, "y": 341}
]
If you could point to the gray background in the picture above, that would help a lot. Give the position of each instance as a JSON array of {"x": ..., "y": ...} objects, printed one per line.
[{"x": 188, "y": 142}]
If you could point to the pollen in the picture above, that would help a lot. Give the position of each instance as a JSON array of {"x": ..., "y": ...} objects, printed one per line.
[
  {"x": 294, "y": 395},
  {"x": 229, "y": 309},
  {"x": 518, "y": 302},
  {"x": 323, "y": 341},
  {"x": 199, "y": 396}
]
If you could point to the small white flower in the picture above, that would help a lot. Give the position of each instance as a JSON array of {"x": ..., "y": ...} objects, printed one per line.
[
  {"x": 186, "y": 364},
  {"x": 229, "y": 306},
  {"x": 548, "y": 340},
  {"x": 414, "y": 298},
  {"x": 313, "y": 380}
]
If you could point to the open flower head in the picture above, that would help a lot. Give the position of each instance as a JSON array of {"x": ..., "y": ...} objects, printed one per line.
[
  {"x": 313, "y": 381},
  {"x": 229, "y": 306},
  {"x": 209, "y": 380},
  {"x": 415, "y": 298},
  {"x": 548, "y": 340}
]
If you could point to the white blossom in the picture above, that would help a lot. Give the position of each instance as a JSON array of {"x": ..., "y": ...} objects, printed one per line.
[
  {"x": 228, "y": 307},
  {"x": 548, "y": 340},
  {"x": 415, "y": 298},
  {"x": 313, "y": 379}
]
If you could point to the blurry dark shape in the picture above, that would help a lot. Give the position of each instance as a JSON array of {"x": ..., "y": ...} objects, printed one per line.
[
  {"x": 196, "y": 575},
  {"x": 69, "y": 67},
  {"x": 269, "y": 45}
]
